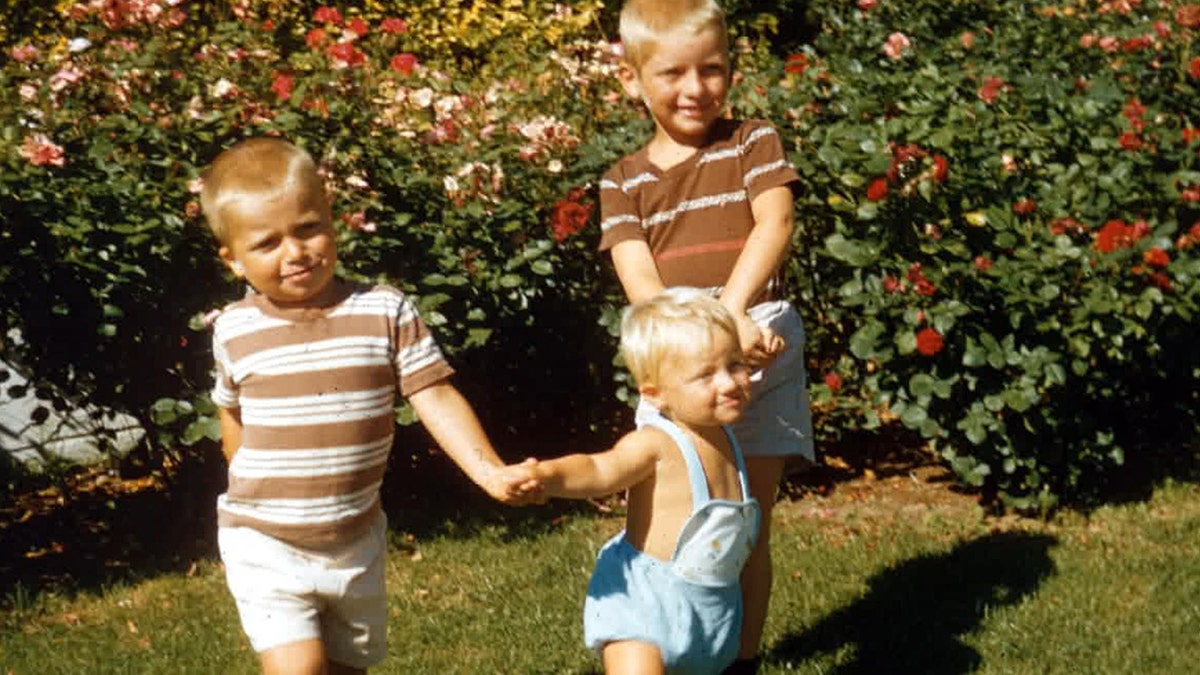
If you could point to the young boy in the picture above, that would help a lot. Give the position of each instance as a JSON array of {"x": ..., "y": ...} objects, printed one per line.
[
  {"x": 664, "y": 594},
  {"x": 708, "y": 203},
  {"x": 307, "y": 370}
]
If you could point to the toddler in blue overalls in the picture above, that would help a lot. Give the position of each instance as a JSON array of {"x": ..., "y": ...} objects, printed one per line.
[{"x": 664, "y": 595}]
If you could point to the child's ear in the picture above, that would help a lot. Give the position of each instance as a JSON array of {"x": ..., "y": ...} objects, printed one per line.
[
  {"x": 651, "y": 394},
  {"x": 234, "y": 265},
  {"x": 628, "y": 76}
]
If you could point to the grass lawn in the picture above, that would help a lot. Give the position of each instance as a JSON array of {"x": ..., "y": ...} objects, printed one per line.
[{"x": 893, "y": 575}]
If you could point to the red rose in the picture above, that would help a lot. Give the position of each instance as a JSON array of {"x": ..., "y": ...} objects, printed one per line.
[
  {"x": 990, "y": 91},
  {"x": 929, "y": 341},
  {"x": 833, "y": 381},
  {"x": 1194, "y": 67},
  {"x": 1156, "y": 257},
  {"x": 315, "y": 38},
  {"x": 1025, "y": 206},
  {"x": 282, "y": 86},
  {"x": 891, "y": 284},
  {"x": 1188, "y": 16},
  {"x": 358, "y": 27},
  {"x": 569, "y": 217},
  {"x": 796, "y": 63},
  {"x": 344, "y": 53},
  {"x": 404, "y": 63},
  {"x": 1065, "y": 225},
  {"x": 393, "y": 26},
  {"x": 327, "y": 15},
  {"x": 877, "y": 190},
  {"x": 924, "y": 287},
  {"x": 1133, "y": 110},
  {"x": 1113, "y": 235},
  {"x": 982, "y": 263},
  {"x": 1130, "y": 141},
  {"x": 941, "y": 168}
]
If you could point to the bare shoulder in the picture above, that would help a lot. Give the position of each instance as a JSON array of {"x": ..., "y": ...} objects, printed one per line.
[{"x": 648, "y": 440}]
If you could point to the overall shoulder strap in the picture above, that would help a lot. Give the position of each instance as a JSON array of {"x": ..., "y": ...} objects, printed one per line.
[
  {"x": 743, "y": 476},
  {"x": 695, "y": 469}
]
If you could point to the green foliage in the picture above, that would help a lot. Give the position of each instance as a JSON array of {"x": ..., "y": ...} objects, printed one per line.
[
  {"x": 1014, "y": 177},
  {"x": 456, "y": 171},
  {"x": 996, "y": 243}
]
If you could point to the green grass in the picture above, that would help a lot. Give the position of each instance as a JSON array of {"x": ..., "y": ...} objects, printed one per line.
[{"x": 868, "y": 586}]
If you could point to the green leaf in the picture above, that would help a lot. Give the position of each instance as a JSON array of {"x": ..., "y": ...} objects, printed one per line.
[
  {"x": 855, "y": 253},
  {"x": 921, "y": 384}
]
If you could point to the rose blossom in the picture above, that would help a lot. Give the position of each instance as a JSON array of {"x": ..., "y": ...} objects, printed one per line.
[
  {"x": 41, "y": 151},
  {"x": 929, "y": 341},
  {"x": 896, "y": 44}
]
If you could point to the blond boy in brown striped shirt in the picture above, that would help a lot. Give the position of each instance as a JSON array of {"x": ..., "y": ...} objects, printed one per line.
[
  {"x": 307, "y": 371},
  {"x": 707, "y": 202}
]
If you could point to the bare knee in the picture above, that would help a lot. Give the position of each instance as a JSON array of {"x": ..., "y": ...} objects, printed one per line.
[
  {"x": 306, "y": 657},
  {"x": 630, "y": 657}
]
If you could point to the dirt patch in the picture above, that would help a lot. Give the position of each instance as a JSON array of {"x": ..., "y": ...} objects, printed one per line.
[{"x": 889, "y": 471}]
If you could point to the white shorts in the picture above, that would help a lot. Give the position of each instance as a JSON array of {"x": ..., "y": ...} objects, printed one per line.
[{"x": 286, "y": 594}]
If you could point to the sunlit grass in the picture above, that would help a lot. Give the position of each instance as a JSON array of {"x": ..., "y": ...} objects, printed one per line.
[{"x": 860, "y": 587}]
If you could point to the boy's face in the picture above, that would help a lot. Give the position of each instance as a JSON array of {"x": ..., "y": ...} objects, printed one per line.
[
  {"x": 284, "y": 247},
  {"x": 705, "y": 387},
  {"x": 684, "y": 82}
]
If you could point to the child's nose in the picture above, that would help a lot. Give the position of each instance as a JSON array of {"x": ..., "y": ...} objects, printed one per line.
[
  {"x": 292, "y": 249},
  {"x": 692, "y": 85}
]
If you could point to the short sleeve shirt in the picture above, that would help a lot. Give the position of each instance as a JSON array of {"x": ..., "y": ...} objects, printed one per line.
[{"x": 696, "y": 215}]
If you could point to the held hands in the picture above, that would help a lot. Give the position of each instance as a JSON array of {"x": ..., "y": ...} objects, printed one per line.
[
  {"x": 760, "y": 345},
  {"x": 515, "y": 484}
]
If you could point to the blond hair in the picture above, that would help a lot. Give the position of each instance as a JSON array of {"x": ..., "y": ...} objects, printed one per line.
[
  {"x": 675, "y": 322},
  {"x": 254, "y": 169},
  {"x": 645, "y": 23}
]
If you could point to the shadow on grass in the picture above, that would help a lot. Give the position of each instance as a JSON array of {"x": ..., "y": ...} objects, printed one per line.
[
  {"x": 914, "y": 615},
  {"x": 97, "y": 528}
]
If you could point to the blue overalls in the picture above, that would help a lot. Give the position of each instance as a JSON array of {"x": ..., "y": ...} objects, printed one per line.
[{"x": 690, "y": 607}]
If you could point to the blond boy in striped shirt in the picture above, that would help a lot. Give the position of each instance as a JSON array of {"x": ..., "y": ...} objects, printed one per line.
[
  {"x": 308, "y": 367},
  {"x": 707, "y": 202}
]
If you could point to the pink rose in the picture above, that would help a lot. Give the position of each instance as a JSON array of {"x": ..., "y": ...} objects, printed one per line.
[
  {"x": 896, "y": 45},
  {"x": 41, "y": 151}
]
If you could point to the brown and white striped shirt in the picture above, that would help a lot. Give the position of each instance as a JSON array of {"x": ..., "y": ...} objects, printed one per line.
[
  {"x": 317, "y": 391},
  {"x": 696, "y": 215}
]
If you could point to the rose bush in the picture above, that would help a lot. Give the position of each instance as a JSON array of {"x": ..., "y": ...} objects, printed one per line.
[
  {"x": 455, "y": 170},
  {"x": 996, "y": 242},
  {"x": 1000, "y": 201}
]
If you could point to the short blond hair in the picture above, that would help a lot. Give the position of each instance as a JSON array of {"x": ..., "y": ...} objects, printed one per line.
[
  {"x": 253, "y": 169},
  {"x": 645, "y": 23},
  {"x": 675, "y": 322}
]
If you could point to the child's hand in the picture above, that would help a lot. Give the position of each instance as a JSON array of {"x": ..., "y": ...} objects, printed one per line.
[
  {"x": 515, "y": 484},
  {"x": 760, "y": 345}
]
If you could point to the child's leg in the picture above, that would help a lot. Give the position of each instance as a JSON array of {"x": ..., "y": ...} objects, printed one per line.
[
  {"x": 764, "y": 474},
  {"x": 629, "y": 657},
  {"x": 306, "y": 657}
]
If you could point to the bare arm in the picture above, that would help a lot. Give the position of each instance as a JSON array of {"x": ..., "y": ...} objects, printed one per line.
[
  {"x": 231, "y": 431},
  {"x": 453, "y": 424},
  {"x": 581, "y": 476},
  {"x": 764, "y": 251},
  {"x": 636, "y": 269}
]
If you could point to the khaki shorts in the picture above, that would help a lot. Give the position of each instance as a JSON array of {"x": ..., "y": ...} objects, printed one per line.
[{"x": 286, "y": 594}]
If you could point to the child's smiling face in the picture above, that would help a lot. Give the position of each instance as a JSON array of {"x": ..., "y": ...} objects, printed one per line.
[
  {"x": 284, "y": 247},
  {"x": 708, "y": 386},
  {"x": 684, "y": 82}
]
